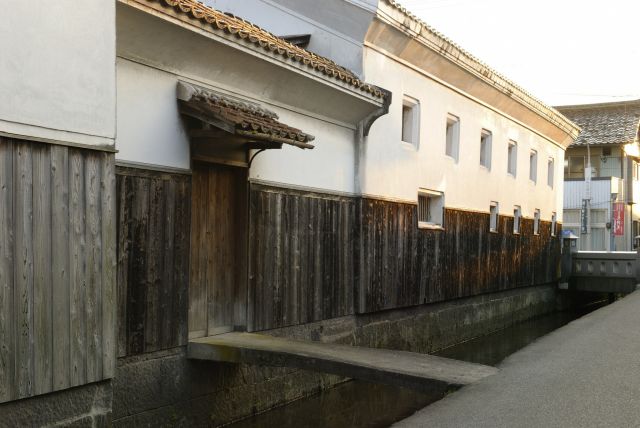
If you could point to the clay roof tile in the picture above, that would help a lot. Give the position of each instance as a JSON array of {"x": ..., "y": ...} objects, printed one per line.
[{"x": 231, "y": 24}]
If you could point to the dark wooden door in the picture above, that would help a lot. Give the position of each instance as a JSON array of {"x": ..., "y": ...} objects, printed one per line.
[{"x": 218, "y": 282}]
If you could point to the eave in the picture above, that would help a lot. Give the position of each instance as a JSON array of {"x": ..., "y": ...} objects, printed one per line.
[
  {"x": 397, "y": 33},
  {"x": 320, "y": 70}
]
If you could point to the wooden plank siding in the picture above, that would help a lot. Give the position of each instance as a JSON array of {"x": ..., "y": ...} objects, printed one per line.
[
  {"x": 217, "y": 297},
  {"x": 52, "y": 274},
  {"x": 316, "y": 256},
  {"x": 153, "y": 227},
  {"x": 311, "y": 256},
  {"x": 7, "y": 289},
  {"x": 301, "y": 254},
  {"x": 401, "y": 265}
]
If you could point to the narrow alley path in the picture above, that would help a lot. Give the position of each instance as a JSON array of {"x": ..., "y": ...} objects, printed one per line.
[{"x": 584, "y": 374}]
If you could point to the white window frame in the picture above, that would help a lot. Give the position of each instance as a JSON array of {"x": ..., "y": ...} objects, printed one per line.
[
  {"x": 512, "y": 158},
  {"x": 430, "y": 209},
  {"x": 551, "y": 171},
  {"x": 517, "y": 219},
  {"x": 452, "y": 137},
  {"x": 536, "y": 221},
  {"x": 410, "y": 121},
  {"x": 486, "y": 141},
  {"x": 554, "y": 223},
  {"x": 494, "y": 216},
  {"x": 533, "y": 166}
]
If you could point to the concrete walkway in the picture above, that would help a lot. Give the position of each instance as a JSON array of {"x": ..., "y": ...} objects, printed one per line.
[
  {"x": 408, "y": 369},
  {"x": 586, "y": 374}
]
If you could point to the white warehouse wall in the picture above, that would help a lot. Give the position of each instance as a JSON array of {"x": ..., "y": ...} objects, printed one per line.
[
  {"x": 396, "y": 169},
  {"x": 58, "y": 70},
  {"x": 149, "y": 126},
  {"x": 150, "y": 131},
  {"x": 329, "y": 166},
  {"x": 392, "y": 169}
]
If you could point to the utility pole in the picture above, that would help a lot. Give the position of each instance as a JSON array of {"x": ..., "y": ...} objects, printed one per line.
[{"x": 587, "y": 179}]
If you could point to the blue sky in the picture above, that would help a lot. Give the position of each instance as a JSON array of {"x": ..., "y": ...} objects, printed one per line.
[{"x": 561, "y": 51}]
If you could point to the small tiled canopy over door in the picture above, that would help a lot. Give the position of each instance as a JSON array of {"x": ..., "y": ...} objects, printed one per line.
[{"x": 224, "y": 133}]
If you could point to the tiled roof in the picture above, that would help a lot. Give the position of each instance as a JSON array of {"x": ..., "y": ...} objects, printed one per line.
[
  {"x": 255, "y": 35},
  {"x": 245, "y": 119},
  {"x": 460, "y": 56},
  {"x": 605, "y": 123}
]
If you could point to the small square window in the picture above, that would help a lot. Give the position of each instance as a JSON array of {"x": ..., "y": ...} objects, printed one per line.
[
  {"x": 485, "y": 148},
  {"x": 533, "y": 166},
  {"x": 536, "y": 222},
  {"x": 517, "y": 216},
  {"x": 553, "y": 224},
  {"x": 411, "y": 121},
  {"x": 430, "y": 209},
  {"x": 574, "y": 167},
  {"x": 550, "y": 172},
  {"x": 453, "y": 137},
  {"x": 512, "y": 158},
  {"x": 494, "y": 216}
]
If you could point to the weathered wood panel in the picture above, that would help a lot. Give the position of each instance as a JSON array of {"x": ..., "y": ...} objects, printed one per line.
[
  {"x": 301, "y": 257},
  {"x": 217, "y": 292},
  {"x": 7, "y": 289},
  {"x": 401, "y": 265},
  {"x": 180, "y": 286},
  {"x": 318, "y": 256},
  {"x": 23, "y": 276},
  {"x": 93, "y": 295},
  {"x": 52, "y": 243},
  {"x": 153, "y": 224},
  {"x": 42, "y": 283},
  {"x": 109, "y": 266},
  {"x": 197, "y": 279},
  {"x": 60, "y": 265},
  {"x": 77, "y": 253}
]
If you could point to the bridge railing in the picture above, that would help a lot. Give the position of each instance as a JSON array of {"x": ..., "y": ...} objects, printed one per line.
[{"x": 613, "y": 271}]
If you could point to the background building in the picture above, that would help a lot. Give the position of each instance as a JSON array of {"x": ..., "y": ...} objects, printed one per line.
[{"x": 610, "y": 137}]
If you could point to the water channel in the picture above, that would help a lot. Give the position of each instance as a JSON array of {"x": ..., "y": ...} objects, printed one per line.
[{"x": 361, "y": 404}]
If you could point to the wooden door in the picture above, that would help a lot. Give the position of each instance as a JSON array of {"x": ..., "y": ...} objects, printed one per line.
[{"x": 218, "y": 282}]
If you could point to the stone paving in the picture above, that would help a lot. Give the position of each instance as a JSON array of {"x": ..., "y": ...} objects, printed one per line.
[{"x": 585, "y": 374}]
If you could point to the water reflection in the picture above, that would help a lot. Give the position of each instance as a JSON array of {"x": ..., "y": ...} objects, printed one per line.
[
  {"x": 361, "y": 404},
  {"x": 492, "y": 349},
  {"x": 352, "y": 404}
]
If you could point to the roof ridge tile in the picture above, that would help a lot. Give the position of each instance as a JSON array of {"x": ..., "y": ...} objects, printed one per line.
[
  {"x": 480, "y": 67},
  {"x": 252, "y": 33}
]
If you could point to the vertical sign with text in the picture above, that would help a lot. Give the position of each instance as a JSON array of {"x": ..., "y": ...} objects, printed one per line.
[
  {"x": 584, "y": 218},
  {"x": 618, "y": 219}
]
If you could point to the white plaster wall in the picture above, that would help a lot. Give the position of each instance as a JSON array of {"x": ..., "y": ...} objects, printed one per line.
[
  {"x": 150, "y": 131},
  {"x": 396, "y": 169},
  {"x": 57, "y": 71},
  {"x": 229, "y": 63},
  {"x": 329, "y": 166},
  {"x": 337, "y": 28},
  {"x": 149, "y": 125}
]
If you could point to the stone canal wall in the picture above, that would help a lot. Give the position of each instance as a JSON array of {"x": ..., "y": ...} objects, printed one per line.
[
  {"x": 164, "y": 388},
  {"x": 83, "y": 406}
]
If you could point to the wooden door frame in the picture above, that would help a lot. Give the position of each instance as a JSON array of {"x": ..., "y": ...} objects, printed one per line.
[{"x": 240, "y": 219}]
